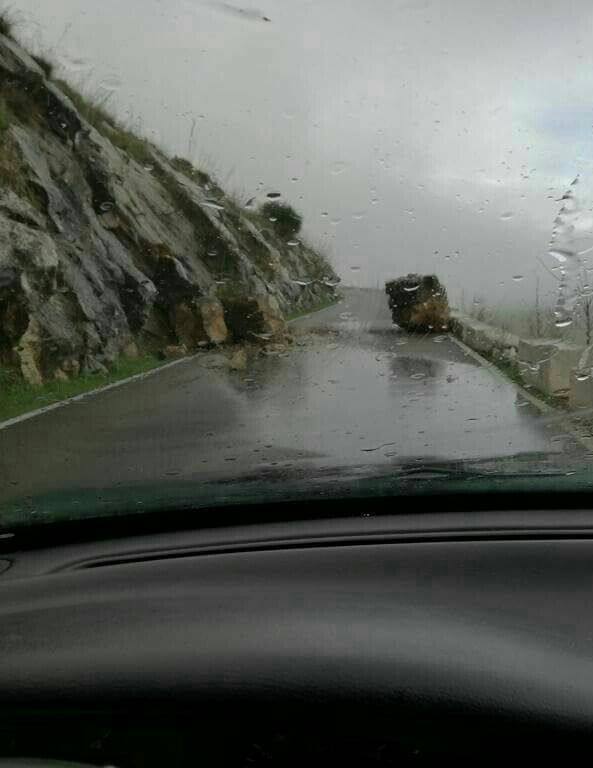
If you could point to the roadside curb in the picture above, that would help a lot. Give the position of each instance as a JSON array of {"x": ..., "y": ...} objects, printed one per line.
[
  {"x": 585, "y": 441},
  {"x": 91, "y": 393}
]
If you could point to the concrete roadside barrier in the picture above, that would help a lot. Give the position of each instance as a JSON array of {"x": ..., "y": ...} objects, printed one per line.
[
  {"x": 581, "y": 382},
  {"x": 483, "y": 337},
  {"x": 548, "y": 364}
]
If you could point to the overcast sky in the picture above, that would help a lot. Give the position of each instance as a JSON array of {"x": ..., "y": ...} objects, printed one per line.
[{"x": 413, "y": 135}]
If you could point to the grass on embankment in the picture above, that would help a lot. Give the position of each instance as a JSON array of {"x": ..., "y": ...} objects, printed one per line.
[
  {"x": 17, "y": 397},
  {"x": 315, "y": 308}
]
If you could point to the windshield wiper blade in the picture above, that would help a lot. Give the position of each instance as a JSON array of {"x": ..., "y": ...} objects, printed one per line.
[{"x": 462, "y": 470}]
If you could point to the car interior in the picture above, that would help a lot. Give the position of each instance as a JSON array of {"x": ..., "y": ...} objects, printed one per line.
[{"x": 400, "y": 636}]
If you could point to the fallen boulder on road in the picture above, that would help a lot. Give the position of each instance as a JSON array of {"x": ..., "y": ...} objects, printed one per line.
[{"x": 418, "y": 303}]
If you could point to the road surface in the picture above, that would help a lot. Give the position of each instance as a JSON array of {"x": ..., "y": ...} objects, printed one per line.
[{"x": 351, "y": 392}]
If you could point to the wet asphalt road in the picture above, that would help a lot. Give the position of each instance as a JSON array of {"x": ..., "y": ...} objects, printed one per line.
[{"x": 352, "y": 392}]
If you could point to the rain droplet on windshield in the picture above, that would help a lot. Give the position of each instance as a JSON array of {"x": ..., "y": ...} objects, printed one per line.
[
  {"x": 563, "y": 322},
  {"x": 338, "y": 167},
  {"x": 560, "y": 255},
  {"x": 571, "y": 227}
]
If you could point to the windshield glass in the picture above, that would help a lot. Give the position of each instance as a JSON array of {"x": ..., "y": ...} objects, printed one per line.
[{"x": 273, "y": 248}]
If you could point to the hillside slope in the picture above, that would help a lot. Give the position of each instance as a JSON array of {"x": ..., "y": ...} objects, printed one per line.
[{"x": 107, "y": 246}]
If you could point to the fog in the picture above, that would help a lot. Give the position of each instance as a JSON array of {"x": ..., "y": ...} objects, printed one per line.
[{"x": 413, "y": 136}]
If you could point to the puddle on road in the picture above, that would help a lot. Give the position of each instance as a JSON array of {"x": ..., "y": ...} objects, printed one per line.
[{"x": 374, "y": 399}]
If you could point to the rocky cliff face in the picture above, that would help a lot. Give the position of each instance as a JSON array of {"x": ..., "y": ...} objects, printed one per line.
[{"x": 107, "y": 245}]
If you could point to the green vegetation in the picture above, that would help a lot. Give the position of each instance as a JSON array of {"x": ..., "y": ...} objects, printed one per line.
[
  {"x": 5, "y": 116},
  {"x": 24, "y": 98},
  {"x": 18, "y": 397},
  {"x": 94, "y": 110},
  {"x": 135, "y": 146},
  {"x": 184, "y": 166},
  {"x": 13, "y": 174},
  {"x": 285, "y": 220},
  {"x": 45, "y": 64},
  {"x": 6, "y": 22},
  {"x": 12, "y": 171},
  {"x": 317, "y": 267},
  {"x": 10, "y": 166}
]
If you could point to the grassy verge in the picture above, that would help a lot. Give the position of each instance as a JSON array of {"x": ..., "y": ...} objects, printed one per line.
[
  {"x": 314, "y": 308},
  {"x": 17, "y": 397}
]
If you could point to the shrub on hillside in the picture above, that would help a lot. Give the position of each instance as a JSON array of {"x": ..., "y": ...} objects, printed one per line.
[
  {"x": 285, "y": 220},
  {"x": 6, "y": 23},
  {"x": 46, "y": 65},
  {"x": 184, "y": 166},
  {"x": 93, "y": 109},
  {"x": 4, "y": 116}
]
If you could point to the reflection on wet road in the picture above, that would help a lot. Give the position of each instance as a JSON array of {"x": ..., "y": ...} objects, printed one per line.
[
  {"x": 338, "y": 400},
  {"x": 352, "y": 392},
  {"x": 365, "y": 392}
]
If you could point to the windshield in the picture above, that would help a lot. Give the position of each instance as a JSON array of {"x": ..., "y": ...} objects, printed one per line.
[{"x": 263, "y": 249}]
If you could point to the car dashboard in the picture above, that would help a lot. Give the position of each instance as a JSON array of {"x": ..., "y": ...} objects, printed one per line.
[{"x": 391, "y": 640}]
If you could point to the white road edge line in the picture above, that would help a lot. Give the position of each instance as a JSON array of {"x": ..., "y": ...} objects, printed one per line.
[
  {"x": 586, "y": 442},
  {"x": 92, "y": 393}
]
